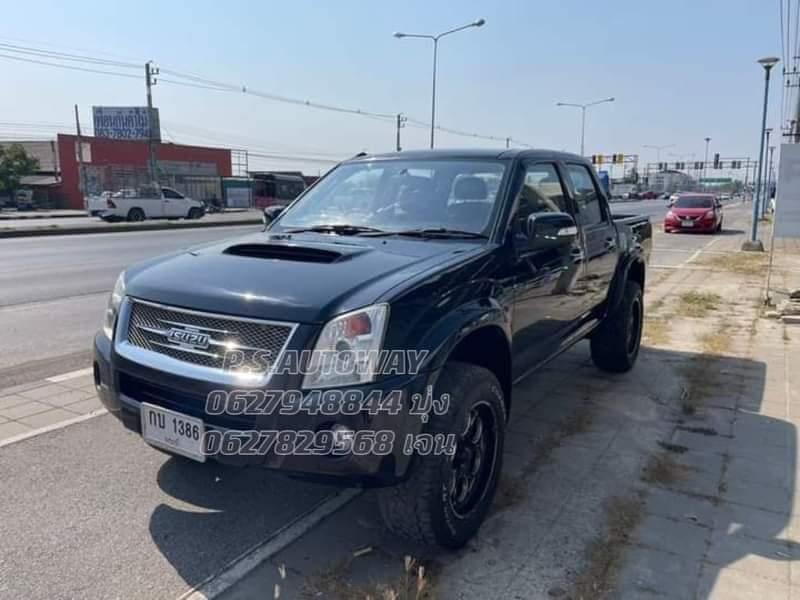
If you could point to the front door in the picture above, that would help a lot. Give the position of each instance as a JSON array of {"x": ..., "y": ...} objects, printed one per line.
[
  {"x": 544, "y": 304},
  {"x": 599, "y": 233},
  {"x": 175, "y": 204}
]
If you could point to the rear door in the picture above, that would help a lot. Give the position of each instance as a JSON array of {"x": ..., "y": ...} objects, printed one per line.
[
  {"x": 599, "y": 235},
  {"x": 544, "y": 304}
]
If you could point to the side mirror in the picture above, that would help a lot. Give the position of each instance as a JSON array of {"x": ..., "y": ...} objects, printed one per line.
[
  {"x": 271, "y": 213},
  {"x": 550, "y": 230}
]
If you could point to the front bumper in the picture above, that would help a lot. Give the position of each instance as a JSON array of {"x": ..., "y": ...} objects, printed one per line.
[
  {"x": 699, "y": 226},
  {"x": 122, "y": 385}
]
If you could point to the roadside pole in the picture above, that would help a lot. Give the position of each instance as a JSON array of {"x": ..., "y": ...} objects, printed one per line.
[
  {"x": 81, "y": 169},
  {"x": 401, "y": 120},
  {"x": 148, "y": 74}
]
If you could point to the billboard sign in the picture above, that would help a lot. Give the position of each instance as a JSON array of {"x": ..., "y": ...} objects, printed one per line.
[{"x": 125, "y": 122}]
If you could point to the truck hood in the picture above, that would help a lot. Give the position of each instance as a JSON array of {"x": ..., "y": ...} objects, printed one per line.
[{"x": 302, "y": 278}]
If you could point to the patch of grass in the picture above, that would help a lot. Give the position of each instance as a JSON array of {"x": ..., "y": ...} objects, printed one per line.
[
  {"x": 605, "y": 554},
  {"x": 747, "y": 263},
  {"x": 416, "y": 582},
  {"x": 716, "y": 342},
  {"x": 697, "y": 304},
  {"x": 576, "y": 423},
  {"x": 662, "y": 469},
  {"x": 656, "y": 332}
]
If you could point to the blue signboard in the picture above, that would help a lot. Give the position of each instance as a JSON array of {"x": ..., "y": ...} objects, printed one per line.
[{"x": 605, "y": 181}]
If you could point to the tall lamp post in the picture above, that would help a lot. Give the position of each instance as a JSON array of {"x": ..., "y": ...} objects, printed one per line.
[
  {"x": 583, "y": 108},
  {"x": 753, "y": 243},
  {"x": 658, "y": 149},
  {"x": 435, "y": 39},
  {"x": 705, "y": 165}
]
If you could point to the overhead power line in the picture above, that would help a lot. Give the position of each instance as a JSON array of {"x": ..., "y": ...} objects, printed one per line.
[{"x": 31, "y": 54}]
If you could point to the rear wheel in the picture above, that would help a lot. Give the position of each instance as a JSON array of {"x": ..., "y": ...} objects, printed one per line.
[
  {"x": 446, "y": 498},
  {"x": 615, "y": 343},
  {"x": 135, "y": 215}
]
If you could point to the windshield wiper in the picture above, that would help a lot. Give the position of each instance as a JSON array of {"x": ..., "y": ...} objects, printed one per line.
[
  {"x": 434, "y": 232},
  {"x": 340, "y": 229}
]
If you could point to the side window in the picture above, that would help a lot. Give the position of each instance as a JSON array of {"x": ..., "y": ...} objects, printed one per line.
[
  {"x": 541, "y": 191},
  {"x": 586, "y": 195},
  {"x": 168, "y": 193}
]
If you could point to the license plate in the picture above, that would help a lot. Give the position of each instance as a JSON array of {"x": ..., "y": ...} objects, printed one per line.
[
  {"x": 687, "y": 223},
  {"x": 173, "y": 431}
]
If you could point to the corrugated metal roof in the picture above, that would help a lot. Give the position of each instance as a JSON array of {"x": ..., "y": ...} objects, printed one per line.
[{"x": 44, "y": 151}]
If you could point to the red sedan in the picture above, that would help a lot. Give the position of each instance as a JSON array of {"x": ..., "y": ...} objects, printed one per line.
[{"x": 694, "y": 212}]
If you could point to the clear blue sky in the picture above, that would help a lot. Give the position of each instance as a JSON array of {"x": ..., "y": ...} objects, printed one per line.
[{"x": 680, "y": 70}]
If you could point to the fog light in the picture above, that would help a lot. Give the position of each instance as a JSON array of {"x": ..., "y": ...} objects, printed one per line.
[{"x": 342, "y": 439}]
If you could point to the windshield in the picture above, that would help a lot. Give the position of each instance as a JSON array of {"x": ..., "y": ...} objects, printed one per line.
[
  {"x": 400, "y": 195},
  {"x": 693, "y": 202}
]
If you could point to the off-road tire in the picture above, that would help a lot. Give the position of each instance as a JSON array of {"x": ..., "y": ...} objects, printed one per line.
[
  {"x": 421, "y": 508},
  {"x": 135, "y": 215},
  {"x": 615, "y": 343}
]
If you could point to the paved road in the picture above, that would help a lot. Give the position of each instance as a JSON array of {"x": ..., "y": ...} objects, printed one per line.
[
  {"x": 90, "y": 511},
  {"x": 53, "y": 291},
  {"x": 97, "y": 223}
]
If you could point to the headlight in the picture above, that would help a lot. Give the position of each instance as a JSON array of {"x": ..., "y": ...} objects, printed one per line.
[
  {"x": 709, "y": 215},
  {"x": 348, "y": 349},
  {"x": 110, "y": 318}
]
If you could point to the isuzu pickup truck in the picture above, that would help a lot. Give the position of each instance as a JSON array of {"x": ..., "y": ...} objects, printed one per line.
[{"x": 372, "y": 334}]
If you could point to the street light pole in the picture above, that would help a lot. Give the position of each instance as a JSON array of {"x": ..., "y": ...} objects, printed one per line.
[
  {"x": 753, "y": 243},
  {"x": 705, "y": 165},
  {"x": 435, "y": 39},
  {"x": 583, "y": 108},
  {"x": 658, "y": 149}
]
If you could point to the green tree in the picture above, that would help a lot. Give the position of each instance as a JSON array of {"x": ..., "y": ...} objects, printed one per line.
[{"x": 14, "y": 165}]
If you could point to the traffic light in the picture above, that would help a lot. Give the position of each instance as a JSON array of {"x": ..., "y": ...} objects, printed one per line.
[
  {"x": 618, "y": 159},
  {"x": 716, "y": 161},
  {"x": 599, "y": 159}
]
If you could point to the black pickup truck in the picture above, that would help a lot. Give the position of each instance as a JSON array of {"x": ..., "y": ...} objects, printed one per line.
[{"x": 373, "y": 333}]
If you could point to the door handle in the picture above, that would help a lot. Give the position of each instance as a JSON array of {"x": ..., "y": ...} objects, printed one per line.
[{"x": 611, "y": 243}]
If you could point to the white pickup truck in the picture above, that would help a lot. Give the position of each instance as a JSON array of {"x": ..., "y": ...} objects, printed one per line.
[{"x": 150, "y": 202}]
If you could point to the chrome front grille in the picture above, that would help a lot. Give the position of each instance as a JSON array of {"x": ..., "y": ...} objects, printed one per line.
[{"x": 204, "y": 339}]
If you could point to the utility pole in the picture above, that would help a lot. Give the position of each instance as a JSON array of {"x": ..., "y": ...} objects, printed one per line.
[
  {"x": 151, "y": 144},
  {"x": 401, "y": 120},
  {"x": 81, "y": 170},
  {"x": 705, "y": 165},
  {"x": 769, "y": 182},
  {"x": 762, "y": 206},
  {"x": 508, "y": 142}
]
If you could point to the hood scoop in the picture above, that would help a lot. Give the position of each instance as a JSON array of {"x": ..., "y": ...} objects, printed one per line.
[{"x": 284, "y": 252}]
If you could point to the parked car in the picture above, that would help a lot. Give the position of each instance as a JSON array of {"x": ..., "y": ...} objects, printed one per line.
[
  {"x": 24, "y": 199},
  {"x": 665, "y": 196},
  {"x": 485, "y": 283},
  {"x": 649, "y": 195},
  {"x": 694, "y": 212},
  {"x": 150, "y": 202}
]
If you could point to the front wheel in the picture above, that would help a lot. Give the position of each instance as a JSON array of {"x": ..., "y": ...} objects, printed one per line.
[
  {"x": 615, "y": 343},
  {"x": 135, "y": 215},
  {"x": 446, "y": 498},
  {"x": 194, "y": 213}
]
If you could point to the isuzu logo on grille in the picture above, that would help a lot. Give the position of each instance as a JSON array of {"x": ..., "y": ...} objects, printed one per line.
[{"x": 195, "y": 339}]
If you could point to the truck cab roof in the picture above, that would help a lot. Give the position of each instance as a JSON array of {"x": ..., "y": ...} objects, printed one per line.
[{"x": 472, "y": 153}]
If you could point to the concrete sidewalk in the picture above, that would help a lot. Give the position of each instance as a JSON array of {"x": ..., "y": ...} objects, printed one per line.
[{"x": 676, "y": 480}]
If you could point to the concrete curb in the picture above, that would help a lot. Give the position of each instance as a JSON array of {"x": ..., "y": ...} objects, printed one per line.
[
  {"x": 123, "y": 227},
  {"x": 26, "y": 217}
]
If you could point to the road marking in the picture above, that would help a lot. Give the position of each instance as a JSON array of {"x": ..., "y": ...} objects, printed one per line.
[
  {"x": 239, "y": 567},
  {"x": 700, "y": 251},
  {"x": 70, "y": 375},
  {"x": 54, "y": 427}
]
